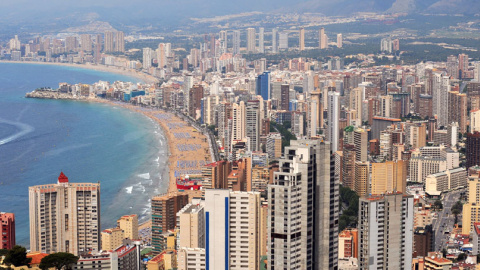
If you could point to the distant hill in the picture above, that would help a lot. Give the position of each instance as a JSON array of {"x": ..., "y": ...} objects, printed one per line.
[
  {"x": 57, "y": 15},
  {"x": 345, "y": 7}
]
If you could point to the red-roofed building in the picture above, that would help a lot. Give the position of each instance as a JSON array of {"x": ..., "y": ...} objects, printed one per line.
[
  {"x": 62, "y": 178},
  {"x": 36, "y": 258},
  {"x": 348, "y": 243},
  {"x": 435, "y": 261}
]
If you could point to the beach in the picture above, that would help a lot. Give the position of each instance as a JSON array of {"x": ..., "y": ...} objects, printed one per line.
[
  {"x": 188, "y": 149},
  {"x": 149, "y": 79}
]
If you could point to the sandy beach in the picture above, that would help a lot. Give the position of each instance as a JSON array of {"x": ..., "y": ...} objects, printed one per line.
[
  {"x": 149, "y": 79},
  {"x": 188, "y": 149}
]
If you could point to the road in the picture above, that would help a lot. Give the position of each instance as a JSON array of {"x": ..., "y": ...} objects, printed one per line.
[{"x": 445, "y": 219}]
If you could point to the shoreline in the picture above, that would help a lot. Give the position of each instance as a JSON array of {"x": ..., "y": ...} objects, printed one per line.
[
  {"x": 172, "y": 125},
  {"x": 146, "y": 78}
]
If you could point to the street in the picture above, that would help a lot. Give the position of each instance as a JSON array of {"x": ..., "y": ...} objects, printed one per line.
[{"x": 445, "y": 219}]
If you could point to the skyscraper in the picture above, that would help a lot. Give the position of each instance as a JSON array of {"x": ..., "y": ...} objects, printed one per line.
[
  {"x": 302, "y": 39},
  {"x": 452, "y": 66},
  {"x": 119, "y": 41},
  {"x": 236, "y": 42},
  {"x": 7, "y": 230},
  {"x": 65, "y": 217},
  {"x": 147, "y": 58},
  {"x": 322, "y": 38},
  {"x": 252, "y": 124},
  {"x": 86, "y": 42},
  {"x": 339, "y": 40},
  {"x": 71, "y": 44},
  {"x": 333, "y": 117},
  {"x": 263, "y": 87},
  {"x": 238, "y": 123},
  {"x": 232, "y": 229},
  {"x": 283, "y": 40},
  {"x": 472, "y": 207},
  {"x": 251, "y": 40},
  {"x": 385, "y": 232},
  {"x": 302, "y": 224},
  {"x": 164, "y": 216},
  {"x": 360, "y": 140},
  {"x": 441, "y": 87},
  {"x": 362, "y": 178},
  {"x": 274, "y": 40},
  {"x": 109, "y": 42},
  {"x": 473, "y": 149},
  {"x": 261, "y": 42}
]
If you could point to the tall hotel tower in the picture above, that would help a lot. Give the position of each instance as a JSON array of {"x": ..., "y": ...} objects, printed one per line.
[
  {"x": 302, "y": 209},
  {"x": 65, "y": 217}
]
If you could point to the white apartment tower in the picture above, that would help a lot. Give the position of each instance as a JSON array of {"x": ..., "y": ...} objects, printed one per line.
[
  {"x": 232, "y": 226},
  {"x": 238, "y": 118},
  {"x": 236, "y": 42},
  {"x": 274, "y": 40},
  {"x": 303, "y": 209},
  {"x": 251, "y": 40},
  {"x": 441, "y": 87},
  {"x": 333, "y": 117},
  {"x": 261, "y": 42},
  {"x": 147, "y": 58},
  {"x": 385, "y": 232},
  {"x": 65, "y": 217}
]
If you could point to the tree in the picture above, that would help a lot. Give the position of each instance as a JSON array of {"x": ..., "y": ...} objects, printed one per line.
[
  {"x": 58, "y": 260},
  {"x": 461, "y": 257},
  {"x": 457, "y": 210},
  {"x": 17, "y": 256},
  {"x": 438, "y": 205}
]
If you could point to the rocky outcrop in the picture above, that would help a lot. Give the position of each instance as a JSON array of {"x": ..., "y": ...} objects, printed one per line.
[{"x": 49, "y": 94}]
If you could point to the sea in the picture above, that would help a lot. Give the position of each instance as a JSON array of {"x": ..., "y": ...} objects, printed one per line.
[{"x": 126, "y": 152}]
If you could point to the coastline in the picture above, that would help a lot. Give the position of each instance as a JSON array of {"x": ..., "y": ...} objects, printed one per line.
[
  {"x": 146, "y": 78},
  {"x": 172, "y": 126}
]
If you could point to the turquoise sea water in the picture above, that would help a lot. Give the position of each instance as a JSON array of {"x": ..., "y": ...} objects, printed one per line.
[{"x": 89, "y": 142}]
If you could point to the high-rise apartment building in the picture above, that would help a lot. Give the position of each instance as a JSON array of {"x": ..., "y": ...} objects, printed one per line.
[
  {"x": 86, "y": 42},
  {"x": 191, "y": 222},
  {"x": 238, "y": 121},
  {"x": 263, "y": 86},
  {"x": 274, "y": 40},
  {"x": 302, "y": 224},
  {"x": 322, "y": 38},
  {"x": 65, "y": 217},
  {"x": 109, "y": 42},
  {"x": 362, "y": 178},
  {"x": 7, "y": 230},
  {"x": 360, "y": 140},
  {"x": 119, "y": 41},
  {"x": 274, "y": 145},
  {"x": 252, "y": 122},
  {"x": 251, "y": 40},
  {"x": 385, "y": 232},
  {"x": 389, "y": 176},
  {"x": 261, "y": 41},
  {"x": 112, "y": 238},
  {"x": 283, "y": 40},
  {"x": 236, "y": 42},
  {"x": 441, "y": 87},
  {"x": 71, "y": 44},
  {"x": 164, "y": 216},
  {"x": 339, "y": 41},
  {"x": 333, "y": 134},
  {"x": 471, "y": 209},
  {"x": 474, "y": 120},
  {"x": 473, "y": 149},
  {"x": 147, "y": 58},
  {"x": 232, "y": 229},
  {"x": 457, "y": 111},
  {"x": 302, "y": 39},
  {"x": 129, "y": 224}
]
